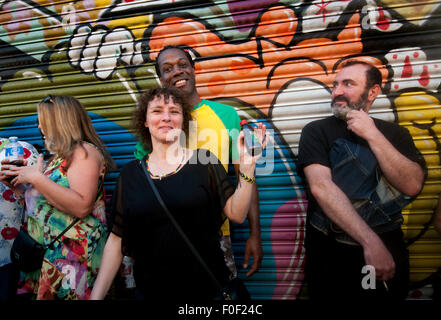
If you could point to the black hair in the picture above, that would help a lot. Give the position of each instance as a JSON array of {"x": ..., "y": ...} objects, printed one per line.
[{"x": 185, "y": 51}]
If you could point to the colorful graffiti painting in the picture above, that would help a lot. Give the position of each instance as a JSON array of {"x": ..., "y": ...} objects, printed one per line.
[{"x": 273, "y": 60}]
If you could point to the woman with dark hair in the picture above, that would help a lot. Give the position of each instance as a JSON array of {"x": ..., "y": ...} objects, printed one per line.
[
  {"x": 196, "y": 189},
  {"x": 67, "y": 191}
]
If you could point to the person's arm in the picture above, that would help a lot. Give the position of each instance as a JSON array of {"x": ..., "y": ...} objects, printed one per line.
[
  {"x": 404, "y": 174},
  {"x": 110, "y": 264},
  {"x": 253, "y": 246},
  {"x": 83, "y": 175},
  {"x": 437, "y": 218},
  {"x": 339, "y": 209},
  {"x": 238, "y": 205}
]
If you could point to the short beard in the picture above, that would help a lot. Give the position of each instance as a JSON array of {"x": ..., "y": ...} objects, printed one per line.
[{"x": 341, "y": 112}]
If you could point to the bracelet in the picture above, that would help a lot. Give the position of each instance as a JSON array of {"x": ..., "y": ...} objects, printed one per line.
[{"x": 246, "y": 178}]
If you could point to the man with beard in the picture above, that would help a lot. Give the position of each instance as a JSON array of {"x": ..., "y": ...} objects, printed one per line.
[
  {"x": 361, "y": 172},
  {"x": 218, "y": 126}
]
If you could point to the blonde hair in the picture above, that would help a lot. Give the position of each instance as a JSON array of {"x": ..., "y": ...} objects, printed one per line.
[{"x": 66, "y": 125}]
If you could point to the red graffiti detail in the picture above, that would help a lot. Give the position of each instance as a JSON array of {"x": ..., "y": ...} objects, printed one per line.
[
  {"x": 383, "y": 22},
  {"x": 245, "y": 13},
  {"x": 9, "y": 233},
  {"x": 407, "y": 70},
  {"x": 416, "y": 294},
  {"x": 322, "y": 9},
  {"x": 416, "y": 54},
  {"x": 27, "y": 153},
  {"x": 424, "y": 77},
  {"x": 8, "y": 195},
  {"x": 395, "y": 56}
]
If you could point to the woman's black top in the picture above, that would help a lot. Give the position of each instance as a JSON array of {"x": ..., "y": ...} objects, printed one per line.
[{"x": 164, "y": 266}]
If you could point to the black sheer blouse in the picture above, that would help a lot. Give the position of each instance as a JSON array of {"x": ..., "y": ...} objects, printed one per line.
[{"x": 195, "y": 195}]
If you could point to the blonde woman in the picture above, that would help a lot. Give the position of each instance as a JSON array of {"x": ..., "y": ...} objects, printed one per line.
[{"x": 67, "y": 189}]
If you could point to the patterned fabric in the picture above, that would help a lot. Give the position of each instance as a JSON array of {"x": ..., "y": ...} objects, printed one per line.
[
  {"x": 70, "y": 268},
  {"x": 224, "y": 121},
  {"x": 226, "y": 246},
  {"x": 11, "y": 210}
]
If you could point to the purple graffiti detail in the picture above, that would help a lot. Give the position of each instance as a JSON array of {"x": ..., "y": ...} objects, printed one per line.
[
  {"x": 245, "y": 13},
  {"x": 287, "y": 235},
  {"x": 20, "y": 16},
  {"x": 89, "y": 4}
]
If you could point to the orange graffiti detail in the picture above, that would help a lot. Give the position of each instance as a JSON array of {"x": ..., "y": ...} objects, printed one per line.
[
  {"x": 15, "y": 24},
  {"x": 241, "y": 65},
  {"x": 217, "y": 85},
  {"x": 278, "y": 23},
  {"x": 183, "y": 31},
  {"x": 268, "y": 58},
  {"x": 51, "y": 35}
]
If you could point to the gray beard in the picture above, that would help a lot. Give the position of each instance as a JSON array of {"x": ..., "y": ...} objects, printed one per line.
[{"x": 341, "y": 113}]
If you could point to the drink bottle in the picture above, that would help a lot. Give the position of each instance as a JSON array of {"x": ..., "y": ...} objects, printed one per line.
[
  {"x": 251, "y": 142},
  {"x": 14, "y": 153}
]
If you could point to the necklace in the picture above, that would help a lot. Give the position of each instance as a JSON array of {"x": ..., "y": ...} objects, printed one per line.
[{"x": 181, "y": 163}]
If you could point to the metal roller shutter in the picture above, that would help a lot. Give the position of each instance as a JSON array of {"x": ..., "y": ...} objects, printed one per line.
[{"x": 272, "y": 60}]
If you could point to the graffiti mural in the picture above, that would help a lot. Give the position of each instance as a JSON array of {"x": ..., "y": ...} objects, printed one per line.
[{"x": 273, "y": 60}]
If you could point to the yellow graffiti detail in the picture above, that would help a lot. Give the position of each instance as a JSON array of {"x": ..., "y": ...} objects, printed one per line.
[
  {"x": 417, "y": 106},
  {"x": 103, "y": 3},
  {"x": 415, "y": 11},
  {"x": 420, "y": 113},
  {"x": 136, "y": 24}
]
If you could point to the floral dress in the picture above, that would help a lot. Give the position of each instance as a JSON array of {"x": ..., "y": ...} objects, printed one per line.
[{"x": 69, "y": 268}]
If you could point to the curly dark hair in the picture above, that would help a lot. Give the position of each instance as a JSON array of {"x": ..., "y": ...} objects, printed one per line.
[{"x": 139, "y": 115}]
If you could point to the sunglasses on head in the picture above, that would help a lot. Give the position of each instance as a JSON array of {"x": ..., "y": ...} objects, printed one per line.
[{"x": 47, "y": 99}]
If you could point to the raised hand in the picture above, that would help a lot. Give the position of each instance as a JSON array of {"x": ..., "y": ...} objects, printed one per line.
[
  {"x": 24, "y": 175},
  {"x": 261, "y": 135},
  {"x": 361, "y": 124}
]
